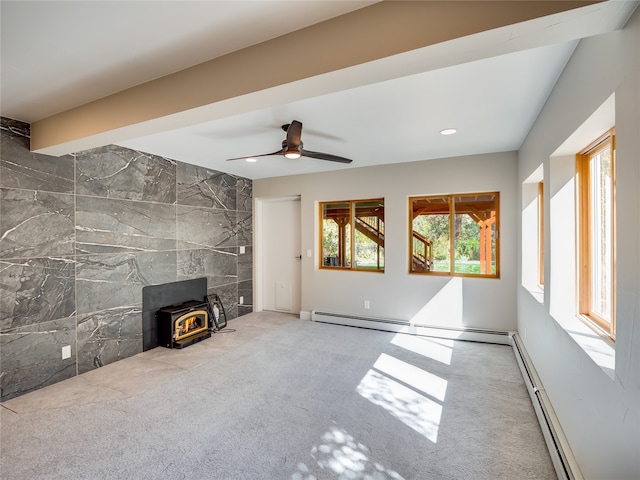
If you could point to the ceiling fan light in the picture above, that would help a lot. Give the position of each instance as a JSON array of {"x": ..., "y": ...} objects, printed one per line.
[
  {"x": 251, "y": 159},
  {"x": 292, "y": 154},
  {"x": 448, "y": 131}
]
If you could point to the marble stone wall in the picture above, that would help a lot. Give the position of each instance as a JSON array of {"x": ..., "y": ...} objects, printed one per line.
[{"x": 82, "y": 234}]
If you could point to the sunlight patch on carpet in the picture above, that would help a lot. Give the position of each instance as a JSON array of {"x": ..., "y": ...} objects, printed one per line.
[
  {"x": 420, "y": 379},
  {"x": 341, "y": 454},
  {"x": 404, "y": 400}
]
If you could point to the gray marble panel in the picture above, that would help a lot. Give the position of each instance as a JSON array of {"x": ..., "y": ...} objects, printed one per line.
[
  {"x": 103, "y": 352},
  {"x": 244, "y": 310},
  {"x": 116, "y": 280},
  {"x": 105, "y": 225},
  {"x": 244, "y": 228},
  {"x": 199, "y": 227},
  {"x": 20, "y": 168},
  {"x": 202, "y": 187},
  {"x": 117, "y": 172},
  {"x": 220, "y": 266},
  {"x": 244, "y": 194},
  {"x": 31, "y": 356},
  {"x": 245, "y": 264},
  {"x": 36, "y": 290},
  {"x": 108, "y": 336},
  {"x": 245, "y": 290},
  {"x": 229, "y": 296},
  {"x": 36, "y": 224}
]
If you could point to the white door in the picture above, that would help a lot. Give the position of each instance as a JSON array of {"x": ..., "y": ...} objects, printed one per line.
[{"x": 280, "y": 252}]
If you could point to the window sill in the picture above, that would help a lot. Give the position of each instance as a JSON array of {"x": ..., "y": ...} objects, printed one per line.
[
  {"x": 601, "y": 351},
  {"x": 536, "y": 292}
]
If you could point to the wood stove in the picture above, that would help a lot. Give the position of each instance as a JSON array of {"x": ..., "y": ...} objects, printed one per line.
[{"x": 182, "y": 325}]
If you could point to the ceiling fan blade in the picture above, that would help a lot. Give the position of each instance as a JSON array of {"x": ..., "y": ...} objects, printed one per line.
[
  {"x": 324, "y": 156},
  {"x": 294, "y": 132},
  {"x": 279, "y": 152},
  {"x": 292, "y": 147}
]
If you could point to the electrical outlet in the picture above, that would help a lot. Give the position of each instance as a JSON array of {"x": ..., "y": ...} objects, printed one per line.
[
  {"x": 366, "y": 304},
  {"x": 241, "y": 250},
  {"x": 241, "y": 300},
  {"x": 308, "y": 252},
  {"x": 66, "y": 352}
]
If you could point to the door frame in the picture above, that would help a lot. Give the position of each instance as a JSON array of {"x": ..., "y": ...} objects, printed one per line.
[{"x": 258, "y": 254}]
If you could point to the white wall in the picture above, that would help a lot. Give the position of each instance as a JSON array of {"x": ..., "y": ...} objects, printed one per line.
[
  {"x": 597, "y": 405},
  {"x": 443, "y": 301},
  {"x": 599, "y": 409}
]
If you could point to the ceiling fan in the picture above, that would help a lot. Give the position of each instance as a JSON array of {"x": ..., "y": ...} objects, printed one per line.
[{"x": 292, "y": 147}]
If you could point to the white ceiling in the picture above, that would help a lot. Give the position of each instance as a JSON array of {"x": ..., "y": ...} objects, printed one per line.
[{"x": 490, "y": 87}]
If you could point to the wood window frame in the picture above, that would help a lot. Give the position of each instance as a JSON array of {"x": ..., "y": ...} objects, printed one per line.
[
  {"x": 353, "y": 205},
  {"x": 452, "y": 213},
  {"x": 601, "y": 325},
  {"x": 541, "y": 234}
]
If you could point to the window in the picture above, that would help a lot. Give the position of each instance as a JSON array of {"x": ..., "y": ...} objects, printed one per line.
[
  {"x": 455, "y": 234},
  {"x": 596, "y": 233},
  {"x": 352, "y": 230}
]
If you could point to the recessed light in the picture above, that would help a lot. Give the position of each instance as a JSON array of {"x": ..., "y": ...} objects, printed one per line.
[
  {"x": 448, "y": 131},
  {"x": 252, "y": 160}
]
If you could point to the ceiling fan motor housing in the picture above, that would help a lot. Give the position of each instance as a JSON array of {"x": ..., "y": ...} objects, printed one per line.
[
  {"x": 292, "y": 146},
  {"x": 291, "y": 151}
]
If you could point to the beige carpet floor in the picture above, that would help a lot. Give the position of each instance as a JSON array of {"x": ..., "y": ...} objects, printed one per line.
[{"x": 276, "y": 397}]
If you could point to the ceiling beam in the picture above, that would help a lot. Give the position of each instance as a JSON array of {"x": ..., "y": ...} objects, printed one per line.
[{"x": 204, "y": 91}]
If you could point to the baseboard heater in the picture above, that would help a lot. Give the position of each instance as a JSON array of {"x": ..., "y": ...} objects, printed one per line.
[
  {"x": 561, "y": 455},
  {"x": 401, "y": 326}
]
